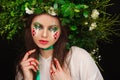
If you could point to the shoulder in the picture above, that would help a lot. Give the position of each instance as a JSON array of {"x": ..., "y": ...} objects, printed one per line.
[
  {"x": 77, "y": 49},
  {"x": 80, "y": 55},
  {"x": 83, "y": 65},
  {"x": 80, "y": 52}
]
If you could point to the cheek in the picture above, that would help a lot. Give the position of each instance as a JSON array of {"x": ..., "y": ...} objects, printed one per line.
[
  {"x": 33, "y": 31},
  {"x": 56, "y": 35}
]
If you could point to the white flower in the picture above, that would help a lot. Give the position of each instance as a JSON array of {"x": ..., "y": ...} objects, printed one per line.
[
  {"x": 99, "y": 57},
  {"x": 51, "y": 11},
  {"x": 86, "y": 23},
  {"x": 94, "y": 51},
  {"x": 95, "y": 14},
  {"x": 28, "y": 11},
  {"x": 93, "y": 26}
]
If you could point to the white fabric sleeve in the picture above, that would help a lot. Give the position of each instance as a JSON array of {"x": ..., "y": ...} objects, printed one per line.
[
  {"x": 82, "y": 65},
  {"x": 18, "y": 75}
]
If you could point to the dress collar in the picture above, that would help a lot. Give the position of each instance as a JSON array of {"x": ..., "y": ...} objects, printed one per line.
[{"x": 45, "y": 59}]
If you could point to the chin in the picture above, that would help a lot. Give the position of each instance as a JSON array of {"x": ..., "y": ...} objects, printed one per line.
[{"x": 43, "y": 46}]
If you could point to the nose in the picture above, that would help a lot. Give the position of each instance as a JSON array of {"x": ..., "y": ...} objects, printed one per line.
[{"x": 45, "y": 33}]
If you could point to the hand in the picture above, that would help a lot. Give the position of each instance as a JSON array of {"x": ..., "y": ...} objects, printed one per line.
[
  {"x": 28, "y": 64},
  {"x": 57, "y": 73}
]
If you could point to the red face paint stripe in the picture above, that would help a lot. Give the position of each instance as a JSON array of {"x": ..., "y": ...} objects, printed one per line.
[
  {"x": 33, "y": 31},
  {"x": 56, "y": 35}
]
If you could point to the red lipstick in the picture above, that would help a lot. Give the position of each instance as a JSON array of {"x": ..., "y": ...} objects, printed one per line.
[{"x": 43, "y": 42}]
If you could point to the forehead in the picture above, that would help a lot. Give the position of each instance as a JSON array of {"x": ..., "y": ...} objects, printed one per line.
[{"x": 46, "y": 19}]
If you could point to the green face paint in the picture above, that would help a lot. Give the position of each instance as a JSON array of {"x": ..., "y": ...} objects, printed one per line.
[
  {"x": 54, "y": 28},
  {"x": 37, "y": 25}
]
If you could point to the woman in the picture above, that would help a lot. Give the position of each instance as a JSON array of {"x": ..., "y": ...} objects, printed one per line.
[{"x": 46, "y": 54}]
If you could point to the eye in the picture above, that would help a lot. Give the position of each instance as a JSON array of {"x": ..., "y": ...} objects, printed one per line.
[
  {"x": 54, "y": 29},
  {"x": 38, "y": 26}
]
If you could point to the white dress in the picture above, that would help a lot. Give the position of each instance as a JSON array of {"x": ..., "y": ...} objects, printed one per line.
[{"x": 81, "y": 66}]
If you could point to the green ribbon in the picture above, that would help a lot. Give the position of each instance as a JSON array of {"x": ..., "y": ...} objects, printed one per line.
[
  {"x": 38, "y": 72},
  {"x": 38, "y": 75},
  {"x": 49, "y": 48}
]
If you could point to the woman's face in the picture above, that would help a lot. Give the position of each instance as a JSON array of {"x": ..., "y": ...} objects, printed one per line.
[{"x": 45, "y": 30}]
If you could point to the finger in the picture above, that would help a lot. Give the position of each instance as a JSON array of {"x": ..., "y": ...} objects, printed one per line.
[
  {"x": 29, "y": 61},
  {"x": 53, "y": 69},
  {"x": 32, "y": 68},
  {"x": 52, "y": 77},
  {"x": 26, "y": 65},
  {"x": 27, "y": 54},
  {"x": 34, "y": 60},
  {"x": 57, "y": 64},
  {"x": 34, "y": 64}
]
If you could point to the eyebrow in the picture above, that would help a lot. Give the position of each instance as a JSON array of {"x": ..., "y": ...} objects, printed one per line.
[
  {"x": 54, "y": 25},
  {"x": 37, "y": 23}
]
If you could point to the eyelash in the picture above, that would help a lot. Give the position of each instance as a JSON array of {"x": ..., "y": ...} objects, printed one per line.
[
  {"x": 38, "y": 26},
  {"x": 53, "y": 29}
]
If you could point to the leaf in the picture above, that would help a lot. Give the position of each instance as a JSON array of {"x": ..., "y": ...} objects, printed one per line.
[
  {"x": 81, "y": 6},
  {"x": 65, "y": 21},
  {"x": 70, "y": 36},
  {"x": 68, "y": 10},
  {"x": 23, "y": 7},
  {"x": 12, "y": 13},
  {"x": 85, "y": 13},
  {"x": 55, "y": 6},
  {"x": 27, "y": 4},
  {"x": 60, "y": 1},
  {"x": 40, "y": 1},
  {"x": 33, "y": 2},
  {"x": 37, "y": 10},
  {"x": 73, "y": 28}
]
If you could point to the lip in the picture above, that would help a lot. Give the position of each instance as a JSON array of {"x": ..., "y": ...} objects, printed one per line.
[{"x": 43, "y": 42}]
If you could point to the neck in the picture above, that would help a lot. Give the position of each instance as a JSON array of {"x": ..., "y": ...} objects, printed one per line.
[
  {"x": 46, "y": 53},
  {"x": 49, "y": 48}
]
